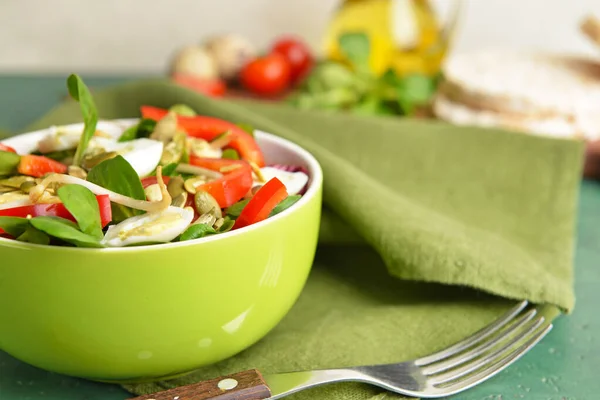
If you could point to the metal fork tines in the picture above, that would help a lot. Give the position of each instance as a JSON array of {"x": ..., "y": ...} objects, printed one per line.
[{"x": 450, "y": 371}]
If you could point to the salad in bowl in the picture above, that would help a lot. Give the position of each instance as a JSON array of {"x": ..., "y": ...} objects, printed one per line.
[
  {"x": 141, "y": 249},
  {"x": 170, "y": 176}
]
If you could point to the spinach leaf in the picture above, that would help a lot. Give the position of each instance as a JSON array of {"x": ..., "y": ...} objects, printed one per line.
[
  {"x": 356, "y": 48},
  {"x": 285, "y": 204},
  {"x": 227, "y": 225},
  {"x": 143, "y": 129},
  {"x": 197, "y": 231},
  {"x": 79, "y": 91},
  {"x": 230, "y": 154},
  {"x": 167, "y": 170},
  {"x": 118, "y": 175},
  {"x": 8, "y": 162},
  {"x": 65, "y": 230},
  {"x": 82, "y": 204},
  {"x": 14, "y": 226},
  {"x": 32, "y": 235},
  {"x": 235, "y": 210}
]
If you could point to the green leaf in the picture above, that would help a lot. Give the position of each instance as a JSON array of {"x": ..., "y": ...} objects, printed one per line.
[
  {"x": 14, "y": 226},
  {"x": 285, "y": 204},
  {"x": 141, "y": 130},
  {"x": 230, "y": 154},
  {"x": 415, "y": 90},
  {"x": 8, "y": 162},
  {"x": 118, "y": 175},
  {"x": 79, "y": 91},
  {"x": 235, "y": 210},
  {"x": 197, "y": 231},
  {"x": 32, "y": 235},
  {"x": 247, "y": 127},
  {"x": 82, "y": 204},
  {"x": 227, "y": 225},
  {"x": 183, "y": 109},
  {"x": 65, "y": 230},
  {"x": 355, "y": 47},
  {"x": 167, "y": 170}
]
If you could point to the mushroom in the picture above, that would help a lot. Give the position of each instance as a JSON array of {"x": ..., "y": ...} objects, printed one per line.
[
  {"x": 231, "y": 53},
  {"x": 194, "y": 61}
]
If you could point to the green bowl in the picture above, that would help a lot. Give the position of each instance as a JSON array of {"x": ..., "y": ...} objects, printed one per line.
[{"x": 147, "y": 313}]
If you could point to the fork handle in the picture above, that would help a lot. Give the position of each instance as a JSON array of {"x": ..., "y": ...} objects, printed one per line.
[{"x": 246, "y": 385}]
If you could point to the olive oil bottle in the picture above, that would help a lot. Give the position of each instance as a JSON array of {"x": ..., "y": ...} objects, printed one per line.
[{"x": 406, "y": 36}]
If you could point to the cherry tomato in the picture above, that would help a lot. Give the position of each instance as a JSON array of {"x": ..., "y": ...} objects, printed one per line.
[
  {"x": 298, "y": 55},
  {"x": 267, "y": 76}
]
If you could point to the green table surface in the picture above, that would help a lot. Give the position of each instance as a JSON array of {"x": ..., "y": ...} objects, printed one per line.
[{"x": 563, "y": 366}]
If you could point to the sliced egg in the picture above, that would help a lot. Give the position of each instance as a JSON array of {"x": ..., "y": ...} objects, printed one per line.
[
  {"x": 61, "y": 138},
  {"x": 294, "y": 181},
  {"x": 162, "y": 226},
  {"x": 143, "y": 154}
]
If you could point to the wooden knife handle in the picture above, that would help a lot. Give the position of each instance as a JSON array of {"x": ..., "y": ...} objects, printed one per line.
[{"x": 246, "y": 385}]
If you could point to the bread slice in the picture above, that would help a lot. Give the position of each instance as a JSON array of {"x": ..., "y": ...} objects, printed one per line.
[
  {"x": 539, "y": 93},
  {"x": 461, "y": 114}
]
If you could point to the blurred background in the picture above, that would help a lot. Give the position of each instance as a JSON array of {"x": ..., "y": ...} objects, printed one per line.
[{"x": 116, "y": 36}]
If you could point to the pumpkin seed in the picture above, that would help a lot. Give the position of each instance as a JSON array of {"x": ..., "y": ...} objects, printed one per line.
[
  {"x": 173, "y": 151},
  {"x": 175, "y": 186},
  {"x": 180, "y": 200},
  {"x": 192, "y": 184},
  {"x": 90, "y": 161},
  {"x": 201, "y": 148},
  {"x": 153, "y": 192},
  {"x": 27, "y": 186},
  {"x": 77, "y": 172},
  {"x": 219, "y": 223},
  {"x": 15, "y": 181},
  {"x": 206, "y": 204},
  {"x": 166, "y": 128},
  {"x": 208, "y": 219}
]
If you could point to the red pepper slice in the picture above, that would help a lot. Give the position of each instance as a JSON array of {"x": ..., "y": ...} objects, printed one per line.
[
  {"x": 58, "y": 210},
  {"x": 4, "y": 147},
  {"x": 235, "y": 183},
  {"x": 262, "y": 203},
  {"x": 208, "y": 128},
  {"x": 39, "y": 166}
]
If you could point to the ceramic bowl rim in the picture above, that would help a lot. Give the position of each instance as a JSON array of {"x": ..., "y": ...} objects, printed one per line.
[{"x": 314, "y": 186}]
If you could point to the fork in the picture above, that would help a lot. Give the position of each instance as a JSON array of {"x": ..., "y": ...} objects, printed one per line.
[{"x": 450, "y": 371}]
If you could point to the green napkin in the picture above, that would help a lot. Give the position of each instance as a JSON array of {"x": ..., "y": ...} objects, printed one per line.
[{"x": 488, "y": 213}]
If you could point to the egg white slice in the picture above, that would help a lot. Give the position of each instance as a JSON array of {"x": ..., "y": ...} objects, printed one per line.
[
  {"x": 294, "y": 181},
  {"x": 59, "y": 138},
  {"x": 162, "y": 226},
  {"x": 143, "y": 154}
]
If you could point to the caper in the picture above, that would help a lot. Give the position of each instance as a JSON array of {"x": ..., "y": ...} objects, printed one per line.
[
  {"x": 77, "y": 172},
  {"x": 175, "y": 186},
  {"x": 90, "y": 161},
  {"x": 180, "y": 200},
  {"x": 205, "y": 204},
  {"x": 192, "y": 184},
  {"x": 15, "y": 181},
  {"x": 207, "y": 219},
  {"x": 27, "y": 186}
]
